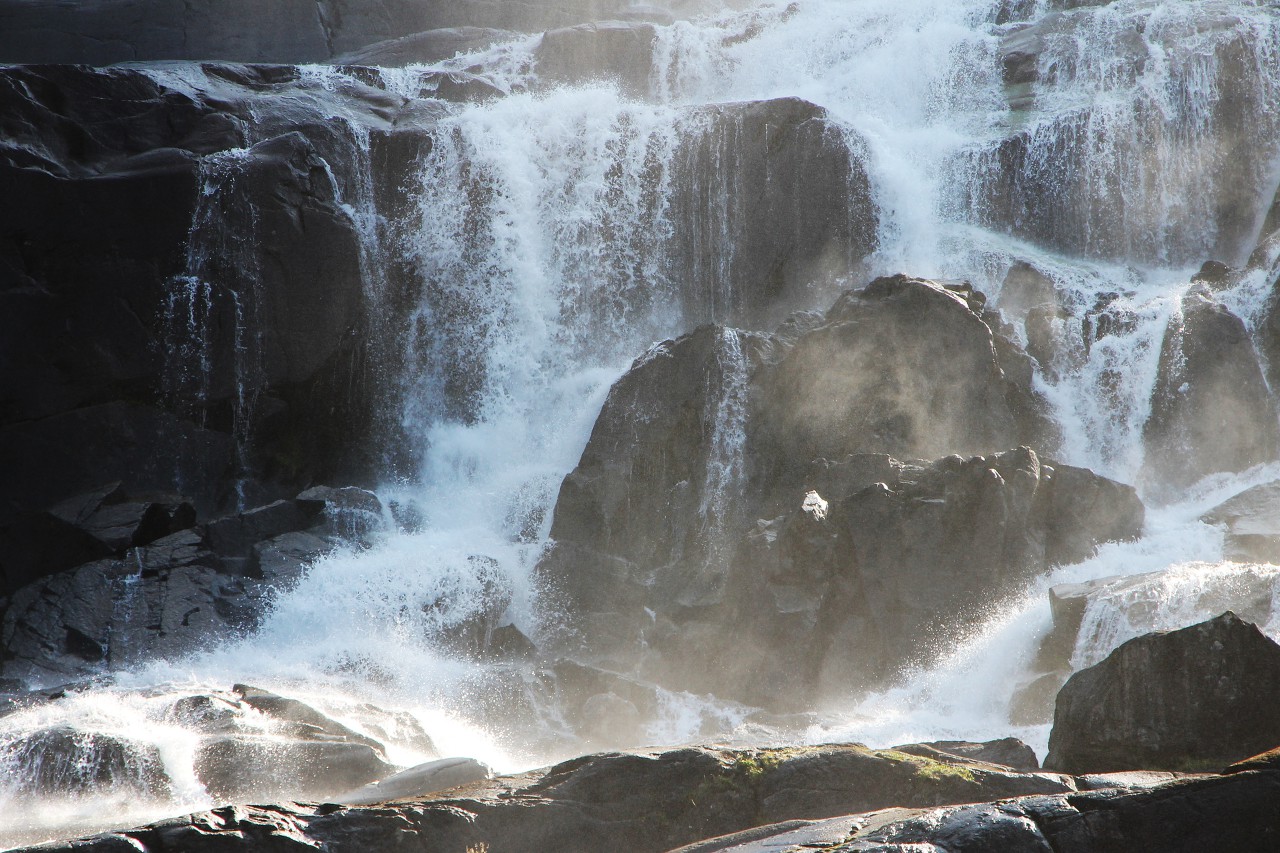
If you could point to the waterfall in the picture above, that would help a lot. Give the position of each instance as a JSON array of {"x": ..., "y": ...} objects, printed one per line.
[{"x": 543, "y": 244}]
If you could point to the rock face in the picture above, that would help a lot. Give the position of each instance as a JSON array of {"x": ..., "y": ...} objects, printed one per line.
[
  {"x": 173, "y": 595},
  {"x": 1211, "y": 409},
  {"x": 645, "y": 803},
  {"x": 1201, "y": 697},
  {"x": 743, "y": 480},
  {"x": 1064, "y": 184},
  {"x": 293, "y": 31},
  {"x": 179, "y": 307}
]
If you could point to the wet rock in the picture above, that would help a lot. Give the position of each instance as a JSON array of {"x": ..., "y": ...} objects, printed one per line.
[
  {"x": 61, "y": 761},
  {"x": 439, "y": 775},
  {"x": 1252, "y": 519},
  {"x": 620, "y": 52},
  {"x": 293, "y": 31},
  {"x": 280, "y": 561},
  {"x": 249, "y": 769},
  {"x": 161, "y": 601},
  {"x": 1211, "y": 410},
  {"x": 1201, "y": 697},
  {"x": 426, "y": 47},
  {"x": 127, "y": 181},
  {"x": 233, "y": 537},
  {"x": 351, "y": 513},
  {"x": 690, "y": 509},
  {"x": 1065, "y": 183},
  {"x": 646, "y": 802},
  {"x": 776, "y": 204}
]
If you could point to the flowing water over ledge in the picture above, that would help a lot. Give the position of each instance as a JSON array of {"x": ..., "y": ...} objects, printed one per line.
[{"x": 544, "y": 232}]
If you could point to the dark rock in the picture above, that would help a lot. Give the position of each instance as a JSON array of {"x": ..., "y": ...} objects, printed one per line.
[
  {"x": 1211, "y": 410},
  {"x": 175, "y": 317},
  {"x": 1008, "y": 752},
  {"x": 63, "y": 761},
  {"x": 646, "y": 803},
  {"x": 1215, "y": 274},
  {"x": 280, "y": 561},
  {"x": 234, "y": 537},
  {"x": 351, "y": 513},
  {"x": 288, "y": 710},
  {"x": 776, "y": 206},
  {"x": 34, "y": 545},
  {"x": 1197, "y": 698},
  {"x": 163, "y": 600}
]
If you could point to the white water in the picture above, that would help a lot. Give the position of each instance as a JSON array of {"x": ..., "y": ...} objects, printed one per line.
[{"x": 539, "y": 239}]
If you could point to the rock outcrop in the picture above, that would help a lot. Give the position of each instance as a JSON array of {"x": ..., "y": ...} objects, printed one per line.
[
  {"x": 173, "y": 593},
  {"x": 1198, "y": 698},
  {"x": 1211, "y": 409},
  {"x": 1214, "y": 813},
  {"x": 738, "y": 492},
  {"x": 646, "y": 803},
  {"x": 292, "y": 31},
  {"x": 180, "y": 307}
]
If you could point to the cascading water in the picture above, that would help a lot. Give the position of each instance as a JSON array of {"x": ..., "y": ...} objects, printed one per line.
[{"x": 540, "y": 233}]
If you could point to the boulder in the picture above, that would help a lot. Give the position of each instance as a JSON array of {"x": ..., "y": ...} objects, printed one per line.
[
  {"x": 439, "y": 775},
  {"x": 1211, "y": 409},
  {"x": 1200, "y": 697},
  {"x": 61, "y": 761},
  {"x": 773, "y": 204},
  {"x": 1252, "y": 520},
  {"x": 730, "y": 481},
  {"x": 247, "y": 768}
]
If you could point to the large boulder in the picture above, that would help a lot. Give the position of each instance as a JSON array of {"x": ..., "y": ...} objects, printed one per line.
[
  {"x": 729, "y": 490},
  {"x": 1211, "y": 409},
  {"x": 1198, "y": 698},
  {"x": 620, "y": 52},
  {"x": 771, "y": 204}
]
